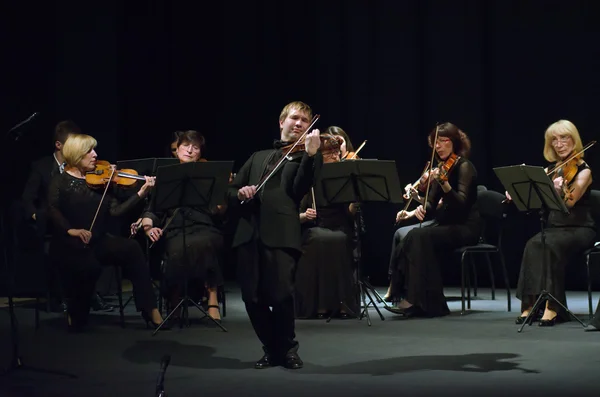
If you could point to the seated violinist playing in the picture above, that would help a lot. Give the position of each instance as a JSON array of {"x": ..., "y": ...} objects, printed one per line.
[
  {"x": 203, "y": 239},
  {"x": 566, "y": 234},
  {"x": 80, "y": 245},
  {"x": 324, "y": 276},
  {"x": 416, "y": 273}
]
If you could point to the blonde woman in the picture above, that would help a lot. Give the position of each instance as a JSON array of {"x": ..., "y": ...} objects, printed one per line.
[
  {"x": 80, "y": 252},
  {"x": 566, "y": 234}
]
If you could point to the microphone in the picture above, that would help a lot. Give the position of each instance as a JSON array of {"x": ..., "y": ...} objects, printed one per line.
[
  {"x": 22, "y": 123},
  {"x": 160, "y": 388}
]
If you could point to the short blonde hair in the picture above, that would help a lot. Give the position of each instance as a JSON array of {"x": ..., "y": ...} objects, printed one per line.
[
  {"x": 562, "y": 127},
  {"x": 76, "y": 147},
  {"x": 296, "y": 105}
]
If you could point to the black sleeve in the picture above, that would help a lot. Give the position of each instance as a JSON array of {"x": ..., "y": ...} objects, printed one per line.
[
  {"x": 458, "y": 196},
  {"x": 242, "y": 178},
  {"x": 31, "y": 191},
  {"x": 117, "y": 209},
  {"x": 304, "y": 178},
  {"x": 60, "y": 223}
]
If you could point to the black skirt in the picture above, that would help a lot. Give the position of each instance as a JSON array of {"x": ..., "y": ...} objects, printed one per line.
[
  {"x": 562, "y": 245},
  {"x": 325, "y": 273}
]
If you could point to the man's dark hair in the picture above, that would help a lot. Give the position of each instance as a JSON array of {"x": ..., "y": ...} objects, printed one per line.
[{"x": 64, "y": 129}]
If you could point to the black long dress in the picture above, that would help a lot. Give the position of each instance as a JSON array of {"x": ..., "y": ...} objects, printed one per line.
[
  {"x": 566, "y": 236},
  {"x": 418, "y": 276},
  {"x": 200, "y": 259},
  {"x": 72, "y": 205},
  {"x": 325, "y": 272}
]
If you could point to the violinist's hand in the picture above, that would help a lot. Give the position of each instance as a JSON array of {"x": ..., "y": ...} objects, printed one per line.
[
  {"x": 558, "y": 184},
  {"x": 312, "y": 143},
  {"x": 311, "y": 214},
  {"x": 246, "y": 192},
  {"x": 135, "y": 226},
  {"x": 420, "y": 213},
  {"x": 84, "y": 235},
  {"x": 402, "y": 215},
  {"x": 144, "y": 190},
  {"x": 507, "y": 196},
  {"x": 154, "y": 233}
]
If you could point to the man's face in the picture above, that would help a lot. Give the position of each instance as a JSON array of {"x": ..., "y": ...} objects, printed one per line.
[{"x": 294, "y": 125}]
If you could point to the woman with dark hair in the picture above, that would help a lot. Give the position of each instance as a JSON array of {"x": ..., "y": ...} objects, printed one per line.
[
  {"x": 204, "y": 240},
  {"x": 324, "y": 275},
  {"x": 346, "y": 144},
  {"x": 416, "y": 275}
]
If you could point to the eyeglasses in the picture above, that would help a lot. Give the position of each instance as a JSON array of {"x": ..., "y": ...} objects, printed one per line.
[{"x": 562, "y": 139}]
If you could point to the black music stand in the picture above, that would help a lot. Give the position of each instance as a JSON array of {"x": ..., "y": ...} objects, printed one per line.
[
  {"x": 359, "y": 182},
  {"x": 201, "y": 185},
  {"x": 531, "y": 189}
]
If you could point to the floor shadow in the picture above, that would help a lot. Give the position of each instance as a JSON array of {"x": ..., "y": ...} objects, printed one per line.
[
  {"x": 477, "y": 362},
  {"x": 190, "y": 356}
]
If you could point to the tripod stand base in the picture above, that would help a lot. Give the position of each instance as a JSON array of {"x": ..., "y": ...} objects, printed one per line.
[
  {"x": 544, "y": 295},
  {"x": 365, "y": 287},
  {"x": 185, "y": 314}
]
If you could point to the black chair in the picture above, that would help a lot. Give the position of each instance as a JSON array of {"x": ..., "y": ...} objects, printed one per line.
[
  {"x": 492, "y": 212},
  {"x": 595, "y": 250}
]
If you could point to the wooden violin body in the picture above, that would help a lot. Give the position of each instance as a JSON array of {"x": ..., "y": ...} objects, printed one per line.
[{"x": 104, "y": 174}]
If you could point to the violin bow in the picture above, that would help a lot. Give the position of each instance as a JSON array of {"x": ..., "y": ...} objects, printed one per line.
[
  {"x": 437, "y": 127},
  {"x": 102, "y": 199},
  {"x": 284, "y": 157},
  {"x": 167, "y": 224},
  {"x": 358, "y": 150},
  {"x": 571, "y": 157},
  {"x": 413, "y": 187}
]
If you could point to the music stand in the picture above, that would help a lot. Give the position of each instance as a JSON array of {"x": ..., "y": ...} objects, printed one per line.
[
  {"x": 359, "y": 182},
  {"x": 530, "y": 189},
  {"x": 201, "y": 185}
]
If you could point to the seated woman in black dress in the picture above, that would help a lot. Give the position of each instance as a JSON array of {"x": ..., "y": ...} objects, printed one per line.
[
  {"x": 324, "y": 275},
  {"x": 78, "y": 249},
  {"x": 566, "y": 235},
  {"x": 203, "y": 239},
  {"x": 417, "y": 277}
]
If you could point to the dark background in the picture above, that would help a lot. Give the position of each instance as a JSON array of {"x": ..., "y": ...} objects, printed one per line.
[{"x": 385, "y": 71}]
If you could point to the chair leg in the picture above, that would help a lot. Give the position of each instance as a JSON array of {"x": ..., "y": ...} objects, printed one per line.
[
  {"x": 491, "y": 270},
  {"x": 462, "y": 282},
  {"x": 37, "y": 313},
  {"x": 506, "y": 283},
  {"x": 472, "y": 262},
  {"x": 589, "y": 285},
  {"x": 119, "y": 282},
  {"x": 468, "y": 276}
]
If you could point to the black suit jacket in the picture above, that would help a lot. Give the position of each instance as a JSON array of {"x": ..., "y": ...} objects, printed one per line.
[
  {"x": 272, "y": 215},
  {"x": 35, "y": 193}
]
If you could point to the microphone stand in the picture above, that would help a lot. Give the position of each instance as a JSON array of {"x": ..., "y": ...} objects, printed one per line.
[{"x": 9, "y": 263}]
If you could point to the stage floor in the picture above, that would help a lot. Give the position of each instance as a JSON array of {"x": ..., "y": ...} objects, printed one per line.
[{"x": 479, "y": 353}]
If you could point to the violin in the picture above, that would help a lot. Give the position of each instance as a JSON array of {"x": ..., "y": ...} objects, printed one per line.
[
  {"x": 329, "y": 143},
  {"x": 568, "y": 169},
  {"x": 104, "y": 174}
]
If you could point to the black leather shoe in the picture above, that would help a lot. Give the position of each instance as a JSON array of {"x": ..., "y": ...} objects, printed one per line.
[
  {"x": 293, "y": 361},
  {"x": 99, "y": 305},
  {"x": 264, "y": 362}
]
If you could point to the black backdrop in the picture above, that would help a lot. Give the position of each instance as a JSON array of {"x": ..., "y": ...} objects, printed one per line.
[{"x": 385, "y": 71}]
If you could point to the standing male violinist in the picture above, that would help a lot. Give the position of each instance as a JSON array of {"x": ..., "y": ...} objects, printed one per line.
[{"x": 268, "y": 236}]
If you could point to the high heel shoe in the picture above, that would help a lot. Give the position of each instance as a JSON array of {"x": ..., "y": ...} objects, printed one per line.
[
  {"x": 548, "y": 323},
  {"x": 150, "y": 322},
  {"x": 218, "y": 320}
]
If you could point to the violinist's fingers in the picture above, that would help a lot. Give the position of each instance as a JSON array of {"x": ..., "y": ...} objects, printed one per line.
[
  {"x": 246, "y": 192},
  {"x": 407, "y": 187},
  {"x": 150, "y": 180}
]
